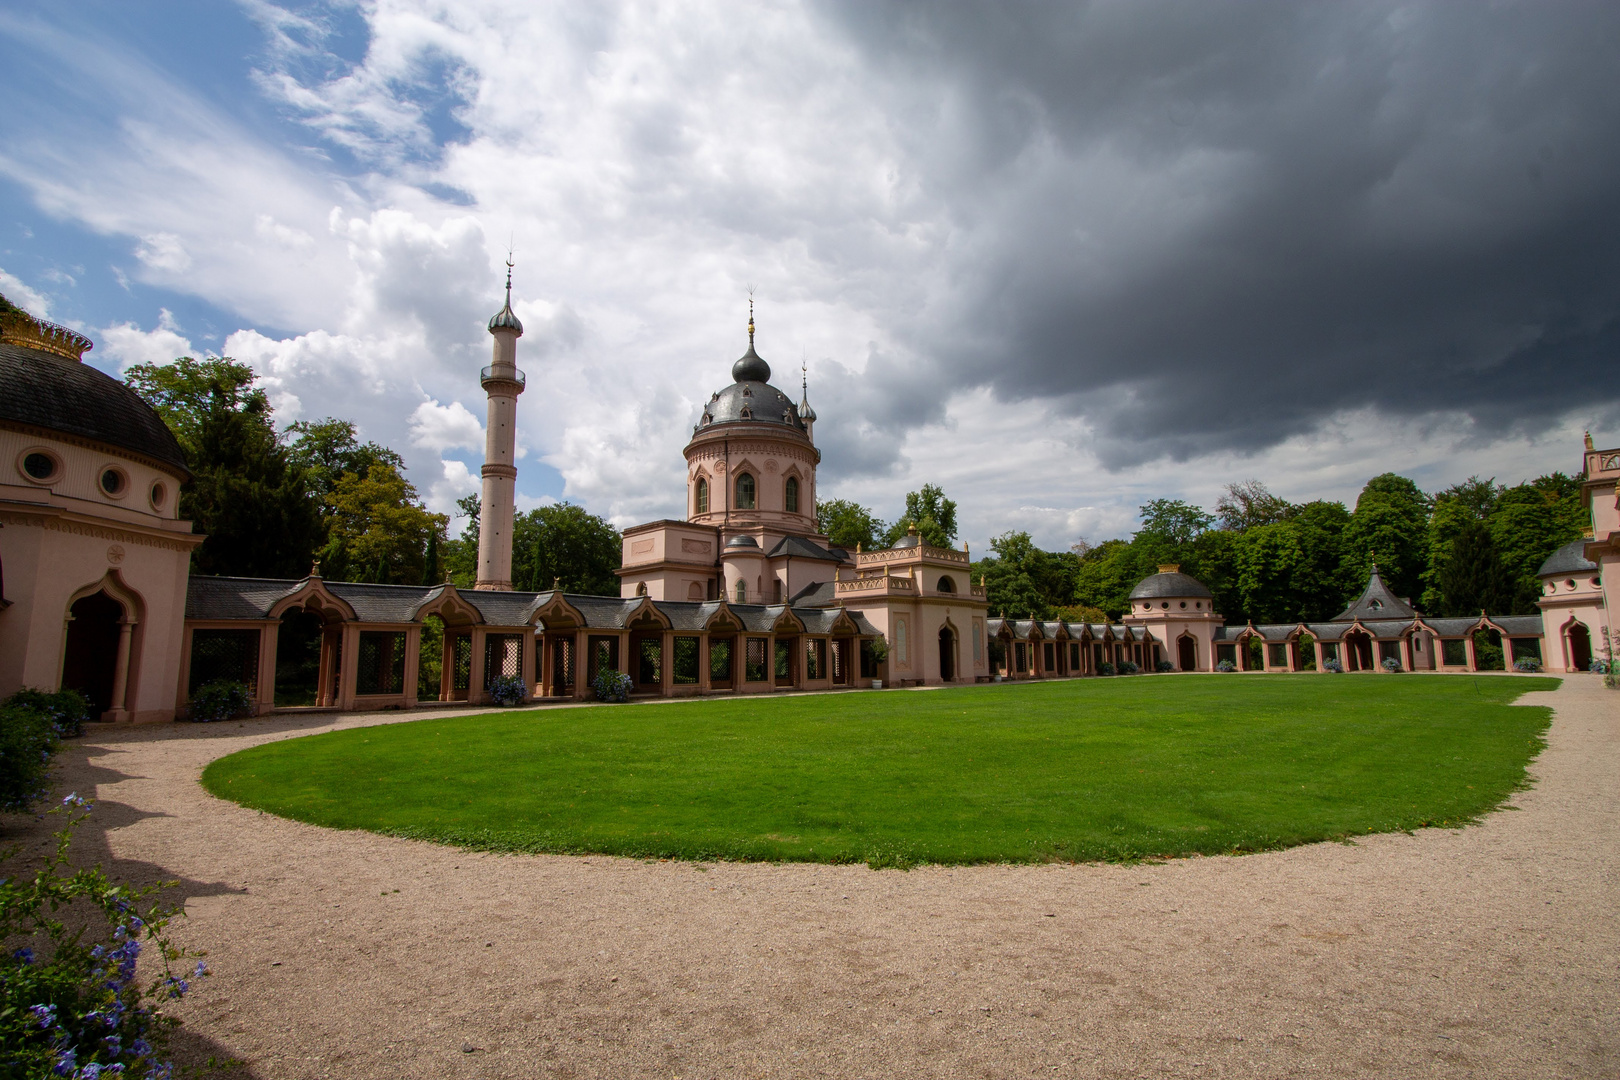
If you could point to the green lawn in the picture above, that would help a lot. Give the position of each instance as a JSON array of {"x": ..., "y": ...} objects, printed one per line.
[{"x": 1091, "y": 769}]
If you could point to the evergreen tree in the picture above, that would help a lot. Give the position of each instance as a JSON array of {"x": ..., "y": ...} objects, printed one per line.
[
  {"x": 244, "y": 494},
  {"x": 1472, "y": 578}
]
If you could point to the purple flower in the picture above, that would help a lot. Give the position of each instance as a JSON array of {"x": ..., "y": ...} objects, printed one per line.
[
  {"x": 25, "y": 955},
  {"x": 202, "y": 969},
  {"x": 45, "y": 1014}
]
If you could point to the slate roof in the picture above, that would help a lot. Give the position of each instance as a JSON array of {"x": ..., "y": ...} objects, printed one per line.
[
  {"x": 1452, "y": 627},
  {"x": 58, "y": 394},
  {"x": 384, "y": 603},
  {"x": 233, "y": 597},
  {"x": 821, "y": 594},
  {"x": 1377, "y": 602},
  {"x": 1569, "y": 559},
  {"x": 1169, "y": 584},
  {"x": 800, "y": 548},
  {"x": 1519, "y": 625}
]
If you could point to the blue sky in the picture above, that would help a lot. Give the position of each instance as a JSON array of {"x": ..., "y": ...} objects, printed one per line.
[{"x": 1059, "y": 260}]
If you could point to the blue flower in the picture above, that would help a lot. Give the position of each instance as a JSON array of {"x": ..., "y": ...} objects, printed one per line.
[
  {"x": 202, "y": 969},
  {"x": 45, "y": 1014},
  {"x": 25, "y": 955}
]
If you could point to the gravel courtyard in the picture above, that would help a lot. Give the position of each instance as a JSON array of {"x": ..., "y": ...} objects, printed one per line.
[{"x": 1491, "y": 951}]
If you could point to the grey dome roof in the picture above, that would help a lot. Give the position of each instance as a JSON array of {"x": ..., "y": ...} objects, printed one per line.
[
  {"x": 505, "y": 319},
  {"x": 1169, "y": 583},
  {"x": 59, "y": 394},
  {"x": 742, "y": 542},
  {"x": 1569, "y": 559},
  {"x": 750, "y": 397},
  {"x": 910, "y": 540},
  {"x": 750, "y": 366}
]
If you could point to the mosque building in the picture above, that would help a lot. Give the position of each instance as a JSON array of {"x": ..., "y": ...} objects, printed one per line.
[{"x": 742, "y": 595}]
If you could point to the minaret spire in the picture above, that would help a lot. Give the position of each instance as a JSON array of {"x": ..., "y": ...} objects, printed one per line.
[{"x": 502, "y": 382}]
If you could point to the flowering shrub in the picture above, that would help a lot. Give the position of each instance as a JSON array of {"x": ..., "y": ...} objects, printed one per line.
[
  {"x": 1105, "y": 668},
  {"x": 27, "y": 741},
  {"x": 1599, "y": 667},
  {"x": 1226, "y": 665},
  {"x": 1128, "y": 667},
  {"x": 69, "y": 1003},
  {"x": 220, "y": 700},
  {"x": 1164, "y": 665},
  {"x": 1528, "y": 663},
  {"x": 1334, "y": 664},
  {"x": 611, "y": 686},
  {"x": 67, "y": 710},
  {"x": 508, "y": 690},
  {"x": 1391, "y": 664}
]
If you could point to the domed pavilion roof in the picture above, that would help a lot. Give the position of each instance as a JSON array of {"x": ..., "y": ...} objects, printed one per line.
[
  {"x": 751, "y": 398},
  {"x": 1169, "y": 582},
  {"x": 1569, "y": 559},
  {"x": 44, "y": 384}
]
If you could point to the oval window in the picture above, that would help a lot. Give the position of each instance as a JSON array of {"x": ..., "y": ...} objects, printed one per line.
[
  {"x": 158, "y": 494},
  {"x": 113, "y": 481},
  {"x": 39, "y": 465}
]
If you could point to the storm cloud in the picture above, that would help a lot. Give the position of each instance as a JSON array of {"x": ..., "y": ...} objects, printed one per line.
[{"x": 1208, "y": 227}]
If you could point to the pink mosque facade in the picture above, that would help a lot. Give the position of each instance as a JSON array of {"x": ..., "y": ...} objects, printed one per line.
[{"x": 741, "y": 595}]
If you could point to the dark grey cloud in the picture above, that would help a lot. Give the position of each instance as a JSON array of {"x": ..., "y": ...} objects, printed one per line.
[{"x": 1208, "y": 227}]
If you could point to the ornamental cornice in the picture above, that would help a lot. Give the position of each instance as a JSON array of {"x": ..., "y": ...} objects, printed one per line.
[
  {"x": 737, "y": 447},
  {"x": 142, "y": 538},
  {"x": 507, "y": 472}
]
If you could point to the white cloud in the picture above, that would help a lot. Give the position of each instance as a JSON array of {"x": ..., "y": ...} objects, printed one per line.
[
  {"x": 30, "y": 300},
  {"x": 455, "y": 480},
  {"x": 445, "y": 427},
  {"x": 128, "y": 344}
]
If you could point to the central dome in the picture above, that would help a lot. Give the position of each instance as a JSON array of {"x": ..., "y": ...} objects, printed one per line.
[{"x": 751, "y": 367}]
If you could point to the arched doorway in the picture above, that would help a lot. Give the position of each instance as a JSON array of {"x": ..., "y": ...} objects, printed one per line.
[
  {"x": 1187, "y": 653},
  {"x": 1358, "y": 651},
  {"x": 90, "y": 665},
  {"x": 1580, "y": 647},
  {"x": 947, "y": 654},
  {"x": 299, "y": 640}
]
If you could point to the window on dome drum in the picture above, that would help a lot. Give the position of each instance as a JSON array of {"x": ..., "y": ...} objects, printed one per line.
[
  {"x": 745, "y": 492},
  {"x": 742, "y": 592},
  {"x": 790, "y": 495},
  {"x": 702, "y": 496},
  {"x": 39, "y": 466},
  {"x": 113, "y": 481}
]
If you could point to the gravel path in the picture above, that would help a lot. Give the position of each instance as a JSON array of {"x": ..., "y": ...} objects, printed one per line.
[{"x": 1490, "y": 951}]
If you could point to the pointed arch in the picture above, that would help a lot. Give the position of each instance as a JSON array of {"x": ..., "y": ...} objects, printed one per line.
[{"x": 449, "y": 605}]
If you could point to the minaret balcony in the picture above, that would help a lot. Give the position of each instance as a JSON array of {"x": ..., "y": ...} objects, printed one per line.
[{"x": 488, "y": 376}]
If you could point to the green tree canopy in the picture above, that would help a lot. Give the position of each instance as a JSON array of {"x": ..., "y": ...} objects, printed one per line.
[
  {"x": 566, "y": 544},
  {"x": 1390, "y": 527},
  {"x": 1024, "y": 581},
  {"x": 327, "y": 449},
  {"x": 1172, "y": 522},
  {"x": 932, "y": 513},
  {"x": 1251, "y": 504},
  {"x": 245, "y": 494},
  {"x": 847, "y": 524},
  {"x": 1471, "y": 577},
  {"x": 378, "y": 530}
]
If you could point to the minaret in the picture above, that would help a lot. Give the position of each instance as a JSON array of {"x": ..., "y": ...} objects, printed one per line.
[
  {"x": 503, "y": 382},
  {"x": 806, "y": 413}
]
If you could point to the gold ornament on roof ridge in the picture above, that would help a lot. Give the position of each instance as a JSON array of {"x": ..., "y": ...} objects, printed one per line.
[{"x": 21, "y": 328}]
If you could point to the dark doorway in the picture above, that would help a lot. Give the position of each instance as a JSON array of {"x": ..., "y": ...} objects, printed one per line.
[
  {"x": 785, "y": 648},
  {"x": 1358, "y": 646},
  {"x": 1187, "y": 654},
  {"x": 1580, "y": 647},
  {"x": 92, "y": 649},
  {"x": 298, "y": 657},
  {"x": 947, "y": 654}
]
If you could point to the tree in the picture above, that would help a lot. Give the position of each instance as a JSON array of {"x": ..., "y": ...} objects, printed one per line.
[
  {"x": 566, "y": 544},
  {"x": 460, "y": 555},
  {"x": 327, "y": 449},
  {"x": 1472, "y": 578},
  {"x": 1251, "y": 504},
  {"x": 1026, "y": 581},
  {"x": 1172, "y": 522},
  {"x": 378, "y": 530},
  {"x": 244, "y": 494},
  {"x": 1389, "y": 527},
  {"x": 932, "y": 513},
  {"x": 848, "y": 524}
]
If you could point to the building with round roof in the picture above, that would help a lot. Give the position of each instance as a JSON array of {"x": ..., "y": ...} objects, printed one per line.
[
  {"x": 93, "y": 555},
  {"x": 1573, "y": 611}
]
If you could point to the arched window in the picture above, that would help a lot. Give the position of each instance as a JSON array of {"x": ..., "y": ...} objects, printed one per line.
[
  {"x": 742, "y": 592},
  {"x": 745, "y": 491},
  {"x": 947, "y": 585},
  {"x": 790, "y": 495},
  {"x": 700, "y": 495}
]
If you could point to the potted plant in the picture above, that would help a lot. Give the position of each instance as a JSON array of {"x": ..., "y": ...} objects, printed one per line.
[{"x": 879, "y": 650}]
